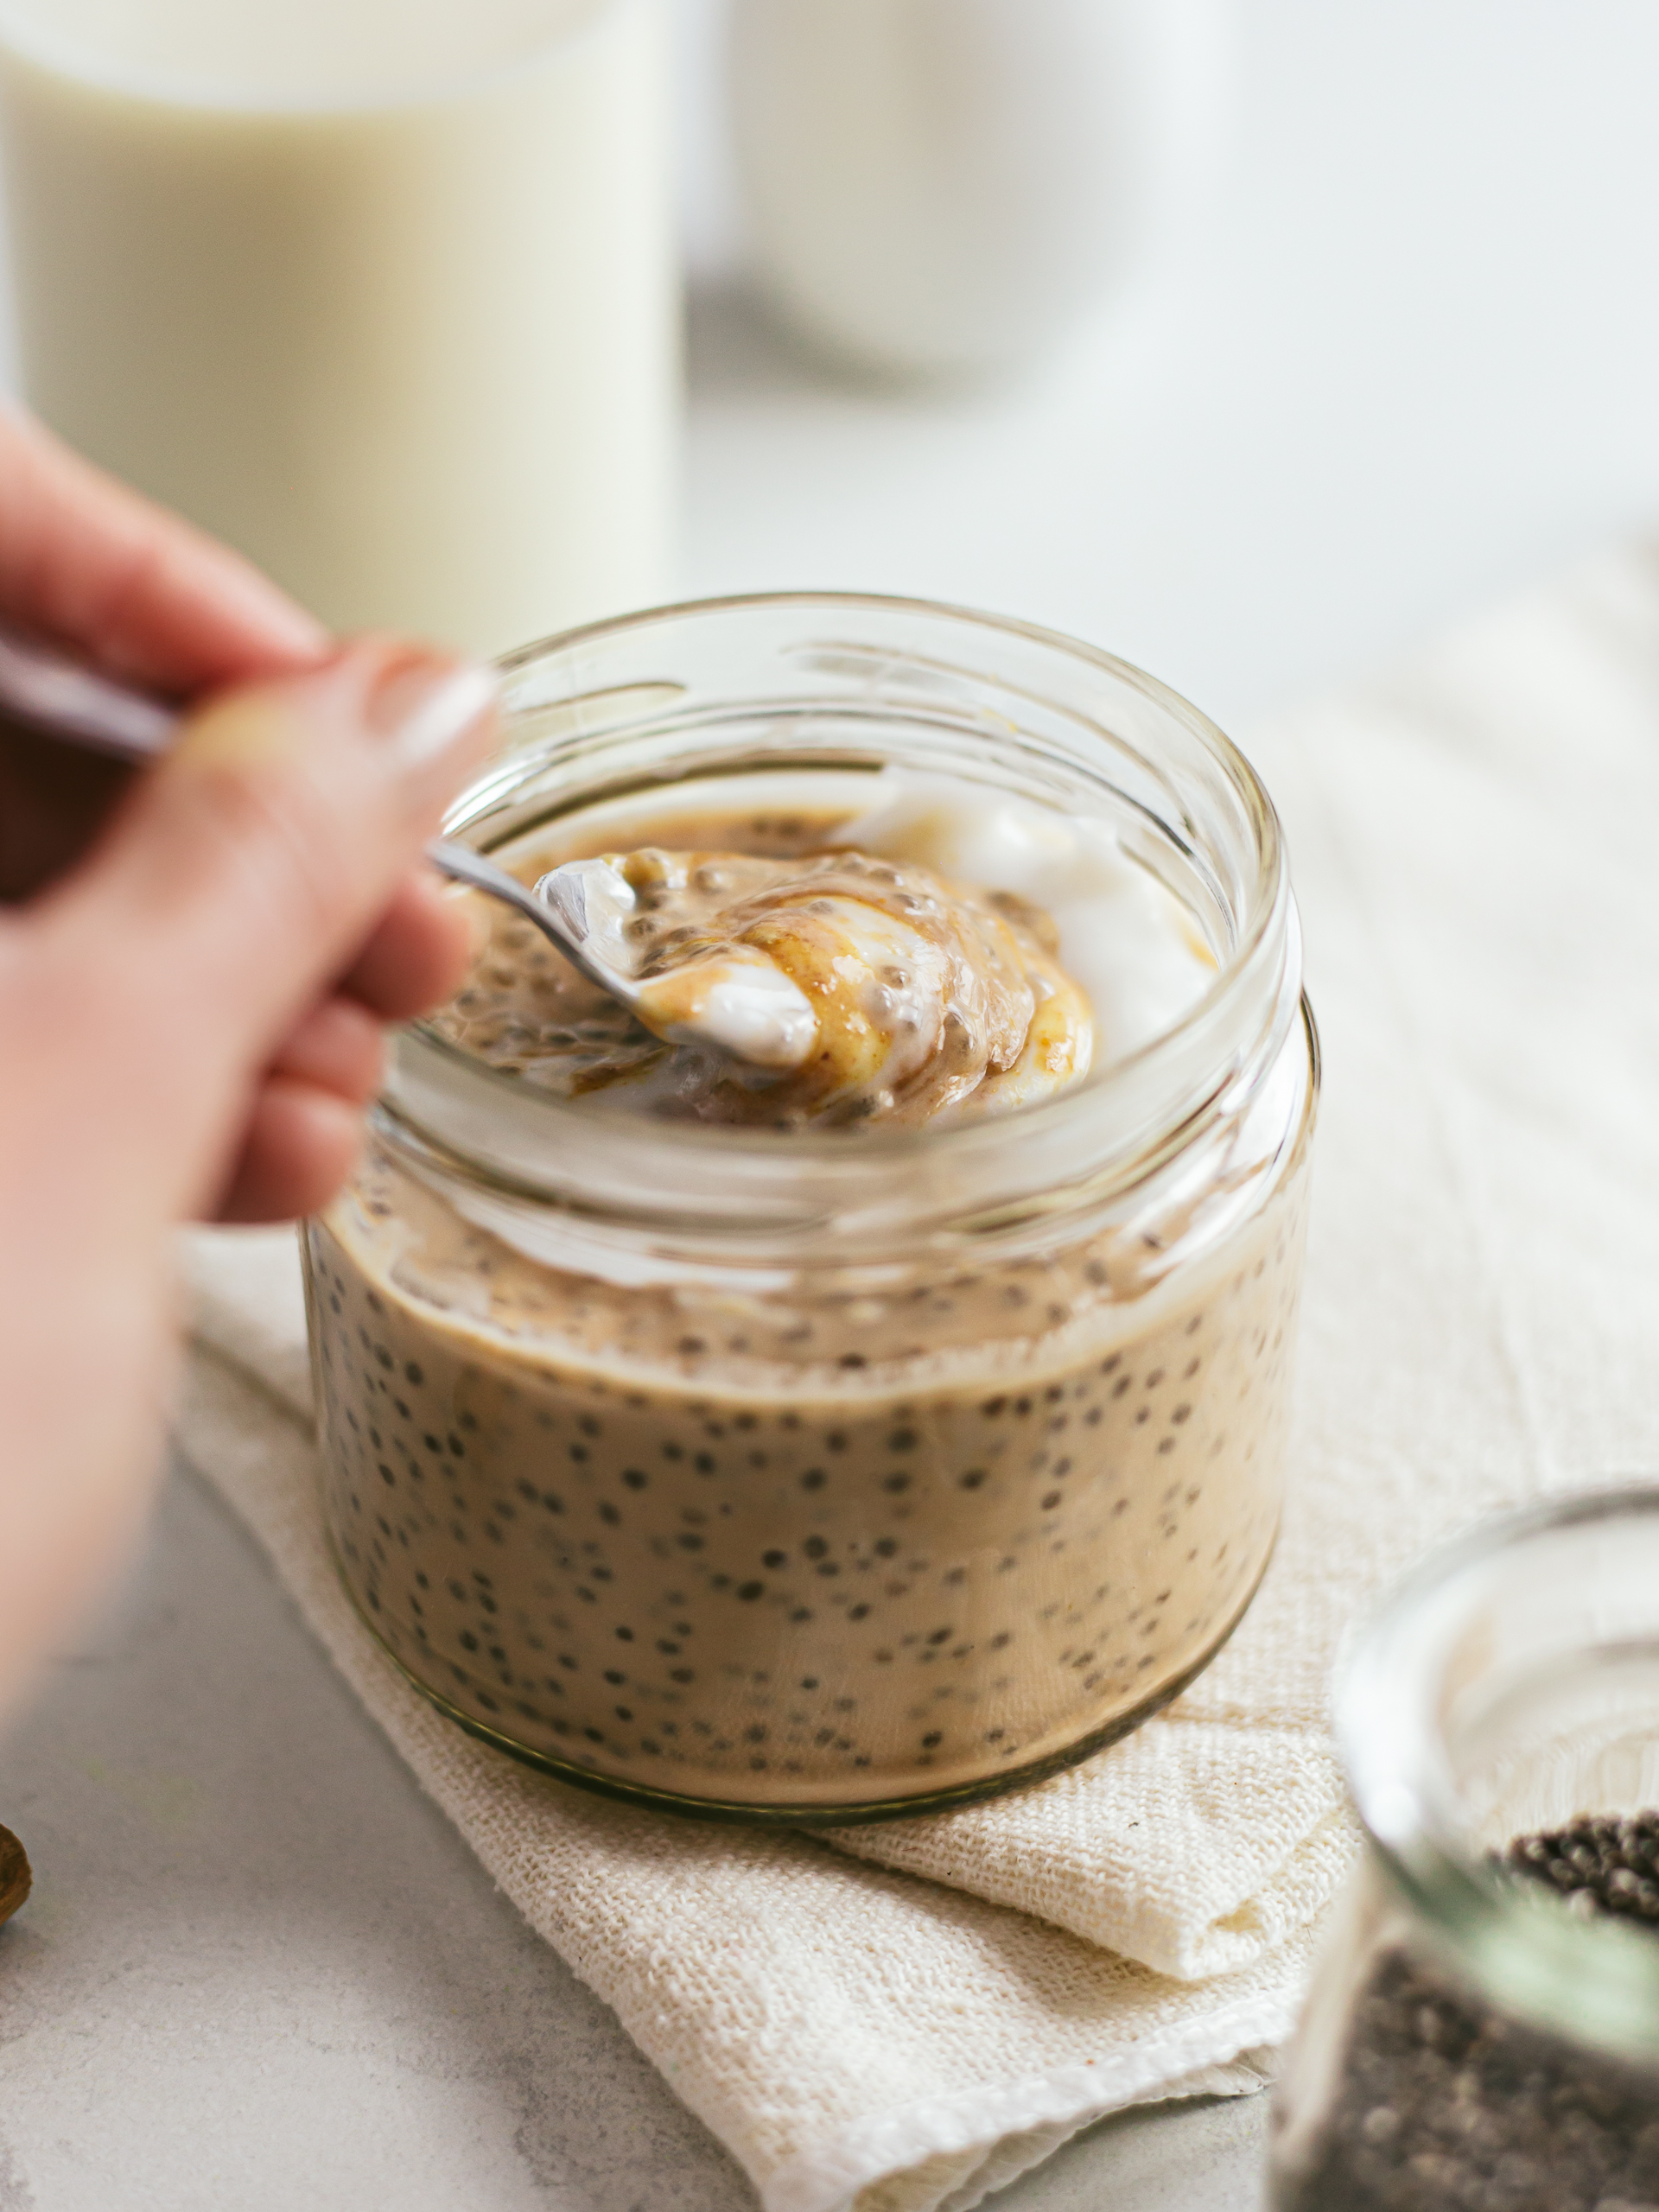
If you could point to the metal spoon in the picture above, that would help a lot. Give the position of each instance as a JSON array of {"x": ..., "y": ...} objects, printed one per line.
[{"x": 737, "y": 1003}]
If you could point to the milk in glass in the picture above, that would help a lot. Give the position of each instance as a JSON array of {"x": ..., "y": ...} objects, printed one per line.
[{"x": 383, "y": 291}]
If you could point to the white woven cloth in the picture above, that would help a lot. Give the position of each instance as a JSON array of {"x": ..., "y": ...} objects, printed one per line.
[{"x": 1473, "y": 845}]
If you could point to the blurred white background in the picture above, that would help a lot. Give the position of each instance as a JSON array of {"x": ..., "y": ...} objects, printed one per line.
[{"x": 1411, "y": 361}]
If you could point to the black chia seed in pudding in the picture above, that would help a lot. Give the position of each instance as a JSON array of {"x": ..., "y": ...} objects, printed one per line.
[
  {"x": 803, "y": 1551},
  {"x": 1443, "y": 2102}
]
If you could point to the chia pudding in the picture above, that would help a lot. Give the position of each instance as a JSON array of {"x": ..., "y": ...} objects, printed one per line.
[{"x": 813, "y": 1536}]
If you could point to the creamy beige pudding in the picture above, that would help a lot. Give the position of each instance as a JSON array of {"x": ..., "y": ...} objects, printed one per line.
[{"x": 802, "y": 1545}]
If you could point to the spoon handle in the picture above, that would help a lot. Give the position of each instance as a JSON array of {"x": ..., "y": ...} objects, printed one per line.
[
  {"x": 462, "y": 865},
  {"x": 49, "y": 693},
  {"x": 46, "y": 694}
]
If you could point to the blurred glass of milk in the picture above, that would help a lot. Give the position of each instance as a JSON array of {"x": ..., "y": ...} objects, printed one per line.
[
  {"x": 945, "y": 186},
  {"x": 383, "y": 291}
]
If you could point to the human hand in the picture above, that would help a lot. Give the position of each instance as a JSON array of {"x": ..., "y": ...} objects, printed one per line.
[
  {"x": 138, "y": 592},
  {"x": 191, "y": 1011}
]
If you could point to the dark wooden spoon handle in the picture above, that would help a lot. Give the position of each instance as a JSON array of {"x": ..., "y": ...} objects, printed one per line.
[{"x": 16, "y": 1878}]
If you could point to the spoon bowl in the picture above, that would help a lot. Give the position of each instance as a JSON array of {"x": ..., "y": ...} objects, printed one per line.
[{"x": 735, "y": 1001}]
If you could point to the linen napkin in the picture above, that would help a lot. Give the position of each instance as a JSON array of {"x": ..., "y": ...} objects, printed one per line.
[{"x": 901, "y": 2018}]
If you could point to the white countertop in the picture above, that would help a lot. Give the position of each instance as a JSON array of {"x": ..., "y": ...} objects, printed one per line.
[{"x": 1414, "y": 362}]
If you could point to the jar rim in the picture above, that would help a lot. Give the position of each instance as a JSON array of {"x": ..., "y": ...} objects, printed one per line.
[
  {"x": 1243, "y": 1016},
  {"x": 1395, "y": 1686},
  {"x": 1273, "y": 864}
]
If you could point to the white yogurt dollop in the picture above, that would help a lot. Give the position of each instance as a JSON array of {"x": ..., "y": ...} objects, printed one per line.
[{"x": 1134, "y": 950}]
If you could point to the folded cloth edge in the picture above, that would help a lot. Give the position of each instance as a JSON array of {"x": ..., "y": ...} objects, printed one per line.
[{"x": 1231, "y": 2054}]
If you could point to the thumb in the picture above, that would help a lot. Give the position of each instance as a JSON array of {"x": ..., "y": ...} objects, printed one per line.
[{"x": 240, "y": 877}]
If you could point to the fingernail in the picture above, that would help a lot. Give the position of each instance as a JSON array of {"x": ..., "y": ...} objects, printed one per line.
[{"x": 425, "y": 705}]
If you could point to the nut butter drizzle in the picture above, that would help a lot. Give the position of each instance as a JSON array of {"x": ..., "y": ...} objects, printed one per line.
[{"x": 933, "y": 999}]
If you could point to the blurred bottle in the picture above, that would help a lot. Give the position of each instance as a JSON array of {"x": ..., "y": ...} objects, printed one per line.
[
  {"x": 383, "y": 291},
  {"x": 948, "y": 187}
]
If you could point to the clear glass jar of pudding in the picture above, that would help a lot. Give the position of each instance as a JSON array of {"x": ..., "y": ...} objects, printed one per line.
[
  {"x": 1482, "y": 2030},
  {"x": 822, "y": 1465}
]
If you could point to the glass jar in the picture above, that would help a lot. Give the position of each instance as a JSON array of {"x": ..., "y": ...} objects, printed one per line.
[
  {"x": 1484, "y": 2027},
  {"x": 822, "y": 1477}
]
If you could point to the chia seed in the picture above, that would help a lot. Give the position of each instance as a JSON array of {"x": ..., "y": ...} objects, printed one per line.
[
  {"x": 1444, "y": 2103},
  {"x": 659, "y": 1461}
]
